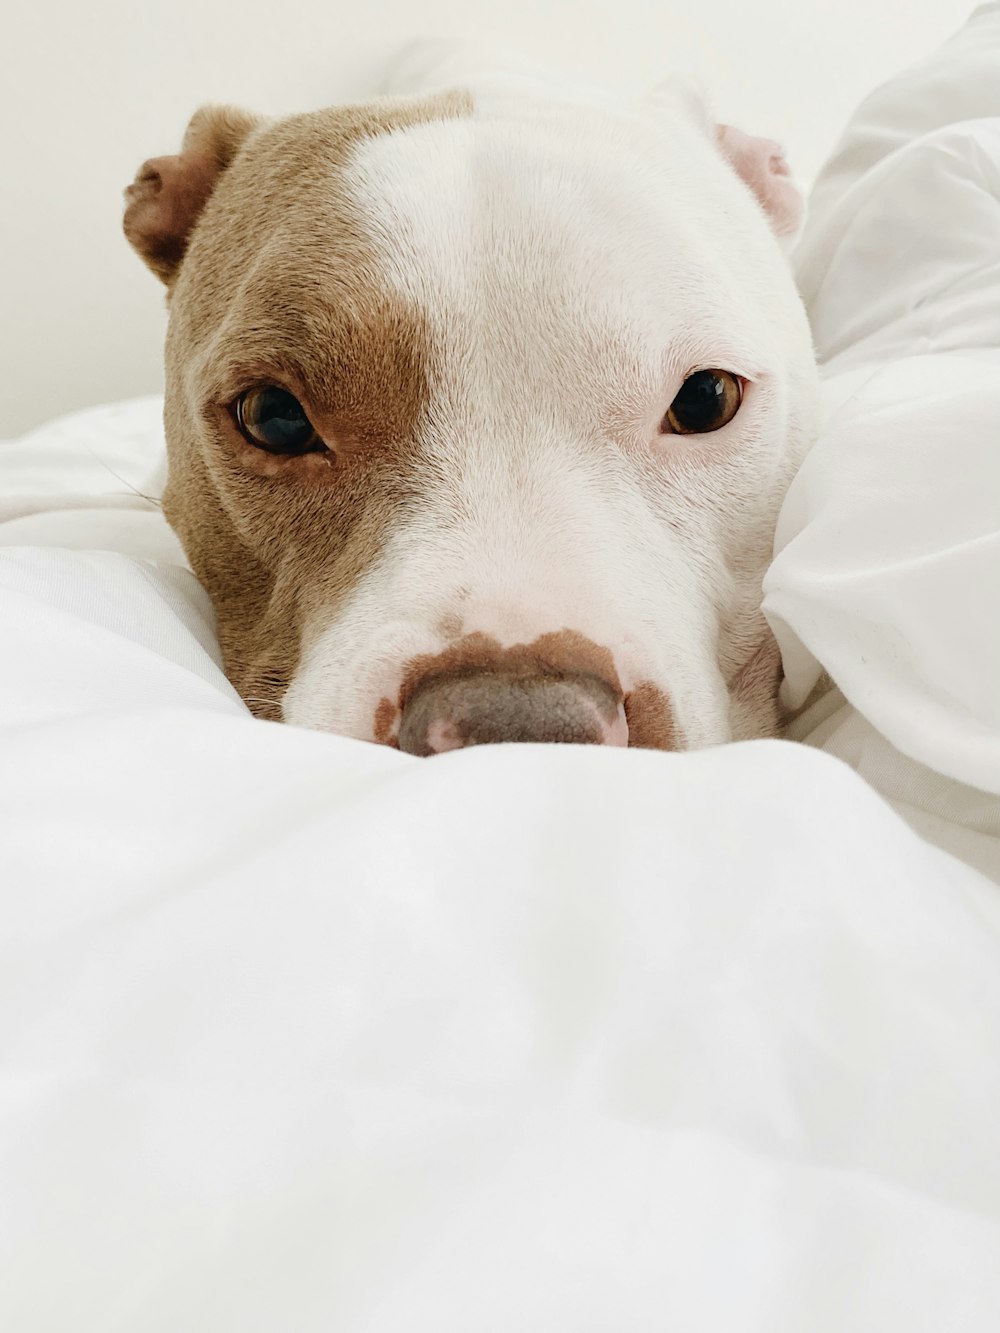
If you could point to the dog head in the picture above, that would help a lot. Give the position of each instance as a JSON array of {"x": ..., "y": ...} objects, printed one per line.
[{"x": 480, "y": 411}]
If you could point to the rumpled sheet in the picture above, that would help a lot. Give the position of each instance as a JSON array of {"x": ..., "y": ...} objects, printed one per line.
[
  {"x": 305, "y": 1034},
  {"x": 887, "y": 576}
]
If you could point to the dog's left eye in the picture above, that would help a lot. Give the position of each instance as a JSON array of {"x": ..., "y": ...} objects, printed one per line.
[
  {"x": 275, "y": 420},
  {"x": 708, "y": 400}
]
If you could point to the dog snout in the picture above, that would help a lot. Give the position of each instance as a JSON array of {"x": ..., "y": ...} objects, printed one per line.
[{"x": 449, "y": 711}]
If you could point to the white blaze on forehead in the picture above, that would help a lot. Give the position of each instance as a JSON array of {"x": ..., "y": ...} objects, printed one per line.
[{"x": 530, "y": 222}]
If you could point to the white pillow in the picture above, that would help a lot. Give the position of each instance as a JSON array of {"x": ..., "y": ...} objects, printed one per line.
[{"x": 888, "y": 567}]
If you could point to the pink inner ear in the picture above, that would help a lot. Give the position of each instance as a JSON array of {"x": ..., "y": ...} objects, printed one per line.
[
  {"x": 164, "y": 203},
  {"x": 761, "y": 164}
]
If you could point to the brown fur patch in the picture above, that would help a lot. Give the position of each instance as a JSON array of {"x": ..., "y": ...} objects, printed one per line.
[
  {"x": 651, "y": 724},
  {"x": 564, "y": 654},
  {"x": 385, "y": 716},
  {"x": 560, "y": 654},
  {"x": 278, "y": 285},
  {"x": 449, "y": 626},
  {"x": 476, "y": 669}
]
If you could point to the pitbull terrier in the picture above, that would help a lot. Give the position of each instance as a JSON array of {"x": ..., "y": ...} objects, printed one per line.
[{"x": 480, "y": 408}]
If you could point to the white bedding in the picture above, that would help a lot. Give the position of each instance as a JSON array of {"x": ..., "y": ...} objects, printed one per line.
[{"x": 300, "y": 1033}]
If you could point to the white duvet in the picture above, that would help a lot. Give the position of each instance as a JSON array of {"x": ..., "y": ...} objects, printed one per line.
[{"x": 303, "y": 1034}]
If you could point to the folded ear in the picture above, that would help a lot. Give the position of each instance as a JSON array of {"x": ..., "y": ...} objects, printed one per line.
[
  {"x": 759, "y": 163},
  {"x": 166, "y": 198}
]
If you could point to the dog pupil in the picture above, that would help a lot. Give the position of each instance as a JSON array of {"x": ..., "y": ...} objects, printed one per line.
[
  {"x": 279, "y": 418},
  {"x": 701, "y": 399}
]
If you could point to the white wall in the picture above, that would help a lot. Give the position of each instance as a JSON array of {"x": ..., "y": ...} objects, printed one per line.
[{"x": 90, "y": 90}]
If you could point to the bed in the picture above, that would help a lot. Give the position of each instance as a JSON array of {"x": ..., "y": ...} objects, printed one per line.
[{"x": 302, "y": 1033}]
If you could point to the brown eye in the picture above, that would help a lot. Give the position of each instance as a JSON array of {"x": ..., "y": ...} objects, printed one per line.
[
  {"x": 707, "y": 401},
  {"x": 274, "y": 419}
]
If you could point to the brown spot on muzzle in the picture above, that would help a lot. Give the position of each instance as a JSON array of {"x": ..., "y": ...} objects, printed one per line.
[
  {"x": 650, "y": 718},
  {"x": 564, "y": 652},
  {"x": 561, "y": 687},
  {"x": 585, "y": 711}
]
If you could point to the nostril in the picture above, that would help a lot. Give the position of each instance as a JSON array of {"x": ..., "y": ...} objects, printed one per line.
[
  {"x": 442, "y": 735},
  {"x": 449, "y": 712}
]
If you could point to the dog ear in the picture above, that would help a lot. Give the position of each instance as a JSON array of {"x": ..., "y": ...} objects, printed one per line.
[
  {"x": 759, "y": 163},
  {"x": 166, "y": 198}
]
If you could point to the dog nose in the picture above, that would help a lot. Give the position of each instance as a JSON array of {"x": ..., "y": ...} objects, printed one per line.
[{"x": 448, "y": 712}]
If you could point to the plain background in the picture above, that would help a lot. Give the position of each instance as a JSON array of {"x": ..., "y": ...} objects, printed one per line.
[{"x": 90, "y": 91}]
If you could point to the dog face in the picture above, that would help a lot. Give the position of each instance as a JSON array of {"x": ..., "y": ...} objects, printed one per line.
[{"x": 480, "y": 412}]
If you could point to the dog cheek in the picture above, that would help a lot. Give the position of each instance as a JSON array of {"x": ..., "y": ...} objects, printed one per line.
[{"x": 754, "y": 709}]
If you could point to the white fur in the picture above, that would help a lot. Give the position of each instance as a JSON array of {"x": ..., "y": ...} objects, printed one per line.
[{"x": 575, "y": 261}]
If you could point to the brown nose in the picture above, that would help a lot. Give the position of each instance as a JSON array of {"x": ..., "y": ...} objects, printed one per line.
[{"x": 449, "y": 711}]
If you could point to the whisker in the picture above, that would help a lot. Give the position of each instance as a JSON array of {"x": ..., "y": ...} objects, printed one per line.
[{"x": 150, "y": 499}]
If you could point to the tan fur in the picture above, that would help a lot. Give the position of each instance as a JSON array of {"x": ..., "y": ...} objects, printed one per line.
[
  {"x": 245, "y": 275},
  {"x": 755, "y": 709},
  {"x": 168, "y": 195},
  {"x": 560, "y": 653},
  {"x": 651, "y": 724}
]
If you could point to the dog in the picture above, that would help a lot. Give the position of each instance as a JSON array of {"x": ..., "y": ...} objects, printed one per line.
[{"x": 481, "y": 402}]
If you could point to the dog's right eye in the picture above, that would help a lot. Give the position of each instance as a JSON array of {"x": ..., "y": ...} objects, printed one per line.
[{"x": 275, "y": 420}]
